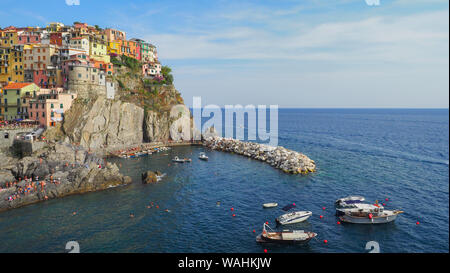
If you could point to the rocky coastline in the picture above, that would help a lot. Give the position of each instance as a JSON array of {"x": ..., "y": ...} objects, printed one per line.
[
  {"x": 56, "y": 171},
  {"x": 279, "y": 157}
]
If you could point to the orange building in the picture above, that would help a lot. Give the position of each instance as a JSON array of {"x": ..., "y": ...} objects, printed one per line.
[
  {"x": 127, "y": 48},
  {"x": 108, "y": 68}
]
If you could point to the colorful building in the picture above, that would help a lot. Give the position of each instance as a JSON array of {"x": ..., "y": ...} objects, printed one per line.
[
  {"x": 151, "y": 69},
  {"x": 114, "y": 34},
  {"x": 28, "y": 37},
  {"x": 48, "y": 108},
  {"x": 113, "y": 47},
  {"x": 81, "y": 43},
  {"x": 14, "y": 99}
]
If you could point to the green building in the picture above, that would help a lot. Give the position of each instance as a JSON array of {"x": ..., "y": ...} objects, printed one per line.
[{"x": 14, "y": 100}]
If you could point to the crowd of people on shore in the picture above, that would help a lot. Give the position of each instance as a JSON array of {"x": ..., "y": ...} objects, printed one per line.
[
  {"x": 30, "y": 186},
  {"x": 17, "y": 125}
]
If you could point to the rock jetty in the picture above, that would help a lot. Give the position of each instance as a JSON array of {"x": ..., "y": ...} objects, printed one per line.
[{"x": 279, "y": 157}]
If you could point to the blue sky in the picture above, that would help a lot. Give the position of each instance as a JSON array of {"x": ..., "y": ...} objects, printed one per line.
[{"x": 310, "y": 53}]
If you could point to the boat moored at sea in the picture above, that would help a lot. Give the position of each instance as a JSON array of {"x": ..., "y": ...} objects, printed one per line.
[
  {"x": 203, "y": 156},
  {"x": 285, "y": 236},
  {"x": 348, "y": 201},
  {"x": 293, "y": 217},
  {"x": 181, "y": 160},
  {"x": 270, "y": 205},
  {"x": 358, "y": 207},
  {"x": 364, "y": 217}
]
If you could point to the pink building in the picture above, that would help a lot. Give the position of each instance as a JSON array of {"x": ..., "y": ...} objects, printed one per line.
[
  {"x": 49, "y": 106},
  {"x": 28, "y": 37},
  {"x": 151, "y": 69}
]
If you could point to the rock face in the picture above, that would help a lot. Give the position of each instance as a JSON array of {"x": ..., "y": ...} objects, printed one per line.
[
  {"x": 149, "y": 177},
  {"x": 100, "y": 122},
  {"x": 75, "y": 171},
  {"x": 180, "y": 129},
  {"x": 278, "y": 157},
  {"x": 156, "y": 126},
  {"x": 104, "y": 122}
]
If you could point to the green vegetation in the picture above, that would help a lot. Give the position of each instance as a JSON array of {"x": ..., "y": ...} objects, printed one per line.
[
  {"x": 116, "y": 61},
  {"x": 131, "y": 63},
  {"x": 167, "y": 74},
  {"x": 121, "y": 85}
]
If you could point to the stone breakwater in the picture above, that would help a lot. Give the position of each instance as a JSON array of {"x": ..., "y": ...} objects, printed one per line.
[{"x": 279, "y": 157}]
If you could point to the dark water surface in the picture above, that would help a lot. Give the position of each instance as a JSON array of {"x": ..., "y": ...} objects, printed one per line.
[{"x": 402, "y": 155}]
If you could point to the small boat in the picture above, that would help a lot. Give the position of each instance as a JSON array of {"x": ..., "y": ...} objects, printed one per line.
[
  {"x": 285, "y": 236},
  {"x": 348, "y": 201},
  {"x": 381, "y": 217},
  {"x": 178, "y": 160},
  {"x": 293, "y": 217},
  {"x": 358, "y": 207},
  {"x": 187, "y": 160},
  {"x": 270, "y": 205},
  {"x": 203, "y": 156},
  {"x": 132, "y": 155}
]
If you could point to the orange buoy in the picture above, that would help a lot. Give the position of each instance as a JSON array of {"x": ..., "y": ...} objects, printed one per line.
[
  {"x": 417, "y": 223},
  {"x": 323, "y": 208},
  {"x": 387, "y": 199},
  {"x": 254, "y": 231},
  {"x": 338, "y": 223},
  {"x": 325, "y": 241},
  {"x": 321, "y": 216},
  {"x": 234, "y": 215},
  {"x": 232, "y": 209},
  {"x": 267, "y": 223},
  {"x": 293, "y": 204},
  {"x": 265, "y": 250},
  {"x": 157, "y": 206},
  {"x": 384, "y": 204},
  {"x": 370, "y": 215}
]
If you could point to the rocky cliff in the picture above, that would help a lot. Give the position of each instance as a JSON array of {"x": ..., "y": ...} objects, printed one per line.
[
  {"x": 65, "y": 169},
  {"x": 141, "y": 114}
]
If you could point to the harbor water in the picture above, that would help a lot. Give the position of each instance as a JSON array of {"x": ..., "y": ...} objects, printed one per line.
[{"x": 398, "y": 155}]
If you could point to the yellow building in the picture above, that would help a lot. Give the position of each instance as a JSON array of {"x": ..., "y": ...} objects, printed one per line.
[
  {"x": 16, "y": 61},
  {"x": 98, "y": 50},
  {"x": 114, "y": 47},
  {"x": 54, "y": 27},
  {"x": 8, "y": 39}
]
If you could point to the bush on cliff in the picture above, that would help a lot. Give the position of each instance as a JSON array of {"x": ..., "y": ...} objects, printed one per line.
[{"x": 166, "y": 72}]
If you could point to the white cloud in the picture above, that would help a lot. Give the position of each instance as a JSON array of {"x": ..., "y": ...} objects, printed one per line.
[{"x": 376, "y": 61}]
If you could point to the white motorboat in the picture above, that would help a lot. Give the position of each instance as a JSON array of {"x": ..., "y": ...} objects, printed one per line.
[
  {"x": 270, "y": 205},
  {"x": 293, "y": 217},
  {"x": 380, "y": 217},
  {"x": 203, "y": 156},
  {"x": 349, "y": 201},
  {"x": 178, "y": 160},
  {"x": 285, "y": 236}
]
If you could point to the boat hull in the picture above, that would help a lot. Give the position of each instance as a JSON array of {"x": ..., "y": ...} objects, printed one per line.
[
  {"x": 365, "y": 220},
  {"x": 262, "y": 239},
  {"x": 298, "y": 219},
  {"x": 270, "y": 205}
]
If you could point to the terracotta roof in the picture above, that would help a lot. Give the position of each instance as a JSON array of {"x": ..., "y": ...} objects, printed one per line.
[{"x": 17, "y": 85}]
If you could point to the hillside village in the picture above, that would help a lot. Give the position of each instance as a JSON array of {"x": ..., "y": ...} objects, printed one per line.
[{"x": 43, "y": 70}]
